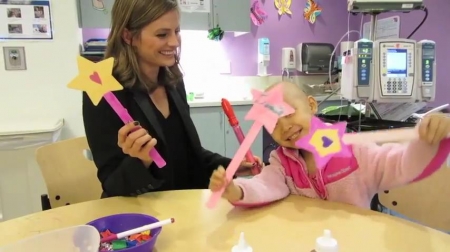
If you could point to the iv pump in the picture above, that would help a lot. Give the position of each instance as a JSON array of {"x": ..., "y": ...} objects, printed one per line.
[{"x": 263, "y": 56}]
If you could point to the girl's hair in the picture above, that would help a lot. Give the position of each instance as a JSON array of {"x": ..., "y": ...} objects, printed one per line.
[{"x": 134, "y": 15}]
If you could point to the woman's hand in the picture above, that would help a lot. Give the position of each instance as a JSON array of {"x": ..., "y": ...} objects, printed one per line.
[
  {"x": 245, "y": 169},
  {"x": 246, "y": 164},
  {"x": 136, "y": 142}
]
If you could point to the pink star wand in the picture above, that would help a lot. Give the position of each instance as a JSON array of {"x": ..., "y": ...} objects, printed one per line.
[
  {"x": 266, "y": 110},
  {"x": 326, "y": 141}
]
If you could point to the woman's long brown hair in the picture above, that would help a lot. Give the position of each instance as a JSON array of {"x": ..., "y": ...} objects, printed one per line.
[{"x": 134, "y": 15}]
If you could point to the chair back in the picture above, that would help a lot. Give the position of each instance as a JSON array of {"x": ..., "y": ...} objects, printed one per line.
[
  {"x": 425, "y": 202},
  {"x": 69, "y": 175}
]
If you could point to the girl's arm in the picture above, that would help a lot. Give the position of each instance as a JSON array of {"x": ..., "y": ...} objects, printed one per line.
[
  {"x": 392, "y": 165},
  {"x": 266, "y": 187}
]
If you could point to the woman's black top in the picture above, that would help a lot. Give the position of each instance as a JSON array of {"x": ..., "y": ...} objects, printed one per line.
[
  {"x": 189, "y": 165},
  {"x": 178, "y": 170}
]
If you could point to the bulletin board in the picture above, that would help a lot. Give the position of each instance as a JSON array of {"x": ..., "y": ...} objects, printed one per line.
[
  {"x": 386, "y": 28},
  {"x": 25, "y": 20}
]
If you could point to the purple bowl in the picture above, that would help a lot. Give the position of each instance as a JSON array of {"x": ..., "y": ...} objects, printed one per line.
[{"x": 122, "y": 222}]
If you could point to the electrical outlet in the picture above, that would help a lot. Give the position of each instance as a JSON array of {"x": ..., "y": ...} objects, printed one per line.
[{"x": 14, "y": 58}]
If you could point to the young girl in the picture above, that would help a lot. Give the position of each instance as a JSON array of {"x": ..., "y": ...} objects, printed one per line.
[{"x": 371, "y": 169}]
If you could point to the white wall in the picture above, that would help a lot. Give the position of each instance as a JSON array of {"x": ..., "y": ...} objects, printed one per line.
[{"x": 38, "y": 93}]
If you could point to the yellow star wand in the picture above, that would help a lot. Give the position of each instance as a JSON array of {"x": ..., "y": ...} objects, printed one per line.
[{"x": 97, "y": 81}]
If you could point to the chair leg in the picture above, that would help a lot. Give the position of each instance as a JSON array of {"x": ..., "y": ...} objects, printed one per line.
[
  {"x": 375, "y": 204},
  {"x": 45, "y": 202}
]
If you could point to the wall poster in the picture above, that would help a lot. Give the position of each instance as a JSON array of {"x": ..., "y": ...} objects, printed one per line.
[{"x": 23, "y": 19}]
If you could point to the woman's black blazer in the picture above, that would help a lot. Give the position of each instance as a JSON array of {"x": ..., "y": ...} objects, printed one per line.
[{"x": 122, "y": 175}]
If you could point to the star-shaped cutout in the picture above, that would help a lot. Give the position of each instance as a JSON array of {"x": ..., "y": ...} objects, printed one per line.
[
  {"x": 95, "y": 78},
  {"x": 268, "y": 107},
  {"x": 324, "y": 141}
]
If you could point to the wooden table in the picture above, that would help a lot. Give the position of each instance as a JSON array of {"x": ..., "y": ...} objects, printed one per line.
[{"x": 289, "y": 225}]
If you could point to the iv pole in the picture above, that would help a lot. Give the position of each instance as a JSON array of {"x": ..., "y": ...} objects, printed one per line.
[
  {"x": 373, "y": 28},
  {"x": 370, "y": 108}
]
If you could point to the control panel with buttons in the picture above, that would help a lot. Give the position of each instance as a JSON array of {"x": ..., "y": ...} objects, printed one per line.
[
  {"x": 397, "y": 69},
  {"x": 427, "y": 69},
  {"x": 365, "y": 55},
  {"x": 357, "y": 72}
]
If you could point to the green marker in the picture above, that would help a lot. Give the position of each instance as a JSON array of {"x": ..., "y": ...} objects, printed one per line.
[{"x": 119, "y": 244}]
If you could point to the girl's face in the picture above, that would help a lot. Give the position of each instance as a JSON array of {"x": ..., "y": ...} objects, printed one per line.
[{"x": 291, "y": 128}]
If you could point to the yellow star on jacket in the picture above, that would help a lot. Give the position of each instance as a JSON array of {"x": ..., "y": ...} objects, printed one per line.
[
  {"x": 95, "y": 78},
  {"x": 326, "y": 142}
]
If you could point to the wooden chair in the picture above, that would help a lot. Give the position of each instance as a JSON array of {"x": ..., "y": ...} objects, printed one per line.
[
  {"x": 425, "y": 202},
  {"x": 68, "y": 173}
]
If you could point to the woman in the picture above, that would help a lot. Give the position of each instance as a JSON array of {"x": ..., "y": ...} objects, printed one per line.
[{"x": 145, "y": 41}]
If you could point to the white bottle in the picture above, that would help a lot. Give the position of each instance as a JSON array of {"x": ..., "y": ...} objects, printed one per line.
[
  {"x": 326, "y": 243},
  {"x": 242, "y": 246}
]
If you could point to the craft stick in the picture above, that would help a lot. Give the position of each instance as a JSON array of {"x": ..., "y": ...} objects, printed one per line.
[
  {"x": 97, "y": 81},
  {"x": 267, "y": 108},
  {"x": 421, "y": 116},
  {"x": 236, "y": 161},
  {"x": 137, "y": 230},
  {"x": 381, "y": 136},
  {"x": 234, "y": 123},
  {"x": 122, "y": 112}
]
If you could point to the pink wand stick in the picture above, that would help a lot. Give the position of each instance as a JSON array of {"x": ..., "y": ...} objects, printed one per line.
[
  {"x": 234, "y": 123},
  {"x": 267, "y": 108},
  {"x": 126, "y": 118},
  {"x": 236, "y": 161}
]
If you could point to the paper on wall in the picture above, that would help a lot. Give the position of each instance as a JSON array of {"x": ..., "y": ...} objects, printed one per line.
[
  {"x": 25, "y": 20},
  {"x": 203, "y": 6},
  {"x": 385, "y": 28}
]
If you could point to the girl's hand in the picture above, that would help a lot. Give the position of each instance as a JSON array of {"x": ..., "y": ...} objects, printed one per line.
[
  {"x": 218, "y": 181},
  {"x": 434, "y": 128}
]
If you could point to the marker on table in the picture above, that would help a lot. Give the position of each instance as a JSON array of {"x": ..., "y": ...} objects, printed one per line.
[{"x": 137, "y": 230}]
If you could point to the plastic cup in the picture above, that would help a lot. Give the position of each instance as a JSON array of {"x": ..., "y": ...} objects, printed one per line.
[
  {"x": 78, "y": 238},
  {"x": 122, "y": 222}
]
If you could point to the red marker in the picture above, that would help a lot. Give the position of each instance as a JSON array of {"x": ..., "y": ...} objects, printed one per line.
[
  {"x": 234, "y": 123},
  {"x": 137, "y": 230}
]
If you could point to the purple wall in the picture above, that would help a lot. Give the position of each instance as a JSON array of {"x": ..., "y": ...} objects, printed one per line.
[
  {"x": 287, "y": 31},
  {"x": 282, "y": 31}
]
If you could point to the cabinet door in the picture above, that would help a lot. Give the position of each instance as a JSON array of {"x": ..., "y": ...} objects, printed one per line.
[
  {"x": 195, "y": 21},
  {"x": 231, "y": 142},
  {"x": 210, "y": 127},
  {"x": 92, "y": 16},
  {"x": 232, "y": 15}
]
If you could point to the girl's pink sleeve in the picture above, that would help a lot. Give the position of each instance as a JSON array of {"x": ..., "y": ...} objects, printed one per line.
[
  {"x": 392, "y": 165},
  {"x": 266, "y": 187}
]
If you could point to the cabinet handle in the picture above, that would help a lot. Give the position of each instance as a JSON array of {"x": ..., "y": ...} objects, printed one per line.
[
  {"x": 217, "y": 16},
  {"x": 209, "y": 21}
]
